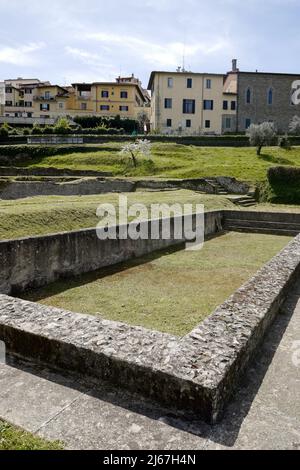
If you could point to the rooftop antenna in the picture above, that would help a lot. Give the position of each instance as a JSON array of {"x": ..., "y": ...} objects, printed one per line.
[{"x": 184, "y": 51}]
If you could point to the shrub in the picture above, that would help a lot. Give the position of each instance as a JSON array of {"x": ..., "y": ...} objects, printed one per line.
[
  {"x": 284, "y": 184},
  {"x": 284, "y": 142},
  {"x": 62, "y": 127},
  {"x": 5, "y": 130},
  {"x": 26, "y": 131},
  {"x": 36, "y": 129}
]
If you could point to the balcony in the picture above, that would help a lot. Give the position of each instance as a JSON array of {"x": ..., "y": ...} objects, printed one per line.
[
  {"x": 44, "y": 98},
  {"x": 84, "y": 97}
]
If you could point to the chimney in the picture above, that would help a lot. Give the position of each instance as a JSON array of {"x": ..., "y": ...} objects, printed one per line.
[{"x": 234, "y": 65}]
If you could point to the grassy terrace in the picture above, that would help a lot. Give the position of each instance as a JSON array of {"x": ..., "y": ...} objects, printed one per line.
[
  {"x": 48, "y": 214},
  {"x": 171, "y": 291},
  {"x": 179, "y": 161},
  {"x": 14, "y": 438}
]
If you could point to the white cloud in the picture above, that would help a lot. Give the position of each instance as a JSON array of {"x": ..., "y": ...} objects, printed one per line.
[
  {"x": 162, "y": 55},
  {"x": 22, "y": 55}
]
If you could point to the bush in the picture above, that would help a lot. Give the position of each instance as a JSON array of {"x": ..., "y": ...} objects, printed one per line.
[
  {"x": 284, "y": 142},
  {"x": 88, "y": 122},
  {"x": 5, "y": 130},
  {"x": 62, "y": 127},
  {"x": 284, "y": 185},
  {"x": 294, "y": 126},
  {"x": 36, "y": 130},
  {"x": 26, "y": 131}
]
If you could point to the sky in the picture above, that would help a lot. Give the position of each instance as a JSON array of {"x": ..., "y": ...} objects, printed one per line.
[{"x": 67, "y": 41}]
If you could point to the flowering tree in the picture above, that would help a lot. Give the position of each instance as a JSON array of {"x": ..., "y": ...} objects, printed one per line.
[
  {"x": 134, "y": 149},
  {"x": 261, "y": 134},
  {"x": 294, "y": 126}
]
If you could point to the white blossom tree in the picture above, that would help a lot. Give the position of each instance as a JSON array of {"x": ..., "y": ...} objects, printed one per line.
[
  {"x": 261, "y": 134},
  {"x": 137, "y": 148},
  {"x": 294, "y": 126}
]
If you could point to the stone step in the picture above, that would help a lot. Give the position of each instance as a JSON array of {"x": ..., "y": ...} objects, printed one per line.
[
  {"x": 262, "y": 224},
  {"x": 270, "y": 231}
]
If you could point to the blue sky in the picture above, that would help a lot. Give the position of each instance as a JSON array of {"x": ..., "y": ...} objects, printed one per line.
[{"x": 66, "y": 41}]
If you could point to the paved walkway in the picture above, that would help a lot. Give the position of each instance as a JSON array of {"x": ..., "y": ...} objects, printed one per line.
[{"x": 265, "y": 413}]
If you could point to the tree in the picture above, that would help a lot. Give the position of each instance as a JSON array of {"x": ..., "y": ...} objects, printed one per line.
[
  {"x": 134, "y": 149},
  {"x": 261, "y": 134},
  {"x": 143, "y": 120},
  {"x": 294, "y": 126},
  {"x": 62, "y": 126}
]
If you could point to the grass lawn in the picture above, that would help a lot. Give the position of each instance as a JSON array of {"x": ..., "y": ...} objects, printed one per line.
[
  {"x": 179, "y": 161},
  {"x": 14, "y": 438},
  {"x": 171, "y": 291},
  {"x": 49, "y": 214}
]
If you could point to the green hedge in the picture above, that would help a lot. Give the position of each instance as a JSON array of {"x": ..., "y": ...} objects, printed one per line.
[{"x": 283, "y": 185}]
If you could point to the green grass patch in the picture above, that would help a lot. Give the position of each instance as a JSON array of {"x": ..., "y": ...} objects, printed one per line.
[
  {"x": 175, "y": 160},
  {"x": 170, "y": 291},
  {"x": 15, "y": 438},
  {"x": 52, "y": 214}
]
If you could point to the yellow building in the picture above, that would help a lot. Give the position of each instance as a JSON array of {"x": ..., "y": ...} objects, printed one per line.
[
  {"x": 126, "y": 99},
  {"x": 19, "y": 94},
  {"x": 50, "y": 102},
  {"x": 188, "y": 103}
]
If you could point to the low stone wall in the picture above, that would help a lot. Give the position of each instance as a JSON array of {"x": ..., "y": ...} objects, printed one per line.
[
  {"x": 17, "y": 171},
  {"x": 22, "y": 189},
  {"x": 197, "y": 373},
  {"x": 279, "y": 223},
  {"x": 36, "y": 261}
]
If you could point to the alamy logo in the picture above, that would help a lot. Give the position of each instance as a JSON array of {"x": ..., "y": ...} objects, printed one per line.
[
  {"x": 296, "y": 92},
  {"x": 183, "y": 222}
]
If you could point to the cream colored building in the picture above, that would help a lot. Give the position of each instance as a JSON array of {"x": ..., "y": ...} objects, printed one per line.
[
  {"x": 19, "y": 96},
  {"x": 188, "y": 103}
]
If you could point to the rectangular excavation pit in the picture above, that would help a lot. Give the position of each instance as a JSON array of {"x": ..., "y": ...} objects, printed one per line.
[
  {"x": 196, "y": 373},
  {"x": 172, "y": 290}
]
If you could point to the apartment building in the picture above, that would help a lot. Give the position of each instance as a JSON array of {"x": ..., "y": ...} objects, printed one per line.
[
  {"x": 124, "y": 98},
  {"x": 2, "y": 98},
  {"x": 50, "y": 102},
  {"x": 28, "y": 100},
  {"x": 19, "y": 95},
  {"x": 190, "y": 103}
]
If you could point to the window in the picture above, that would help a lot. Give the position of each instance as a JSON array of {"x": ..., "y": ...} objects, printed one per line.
[
  {"x": 247, "y": 123},
  {"x": 233, "y": 105},
  {"x": 61, "y": 105},
  {"x": 104, "y": 94},
  {"x": 45, "y": 107},
  {"x": 228, "y": 123},
  {"x": 188, "y": 107},
  {"x": 124, "y": 94},
  {"x": 170, "y": 82},
  {"x": 83, "y": 106},
  {"x": 123, "y": 108},
  {"x": 29, "y": 115},
  {"x": 169, "y": 122},
  {"x": 225, "y": 104},
  {"x": 270, "y": 96},
  {"x": 28, "y": 104},
  {"x": 168, "y": 103},
  {"x": 28, "y": 91},
  {"x": 248, "y": 96},
  {"x": 8, "y": 90},
  {"x": 47, "y": 95},
  {"x": 8, "y": 103},
  {"x": 188, "y": 123},
  {"x": 208, "y": 83},
  {"x": 208, "y": 105},
  {"x": 189, "y": 83},
  {"x": 104, "y": 107},
  {"x": 207, "y": 124}
]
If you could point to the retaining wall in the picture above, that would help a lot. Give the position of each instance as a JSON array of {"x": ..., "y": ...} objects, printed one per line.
[
  {"x": 36, "y": 261},
  {"x": 195, "y": 374}
]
